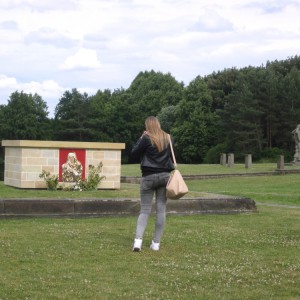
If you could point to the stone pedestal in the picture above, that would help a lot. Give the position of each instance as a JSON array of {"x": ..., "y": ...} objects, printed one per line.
[
  {"x": 230, "y": 160},
  {"x": 280, "y": 162},
  {"x": 223, "y": 159},
  {"x": 25, "y": 160},
  {"x": 248, "y": 161}
]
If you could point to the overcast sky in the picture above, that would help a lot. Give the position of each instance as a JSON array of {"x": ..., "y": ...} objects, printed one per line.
[{"x": 50, "y": 46}]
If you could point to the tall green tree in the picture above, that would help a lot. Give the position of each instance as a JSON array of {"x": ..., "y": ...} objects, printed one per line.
[
  {"x": 194, "y": 130},
  {"x": 221, "y": 84},
  {"x": 25, "y": 117},
  {"x": 266, "y": 85},
  {"x": 167, "y": 117},
  {"x": 99, "y": 116},
  {"x": 241, "y": 119},
  {"x": 71, "y": 117},
  {"x": 289, "y": 113},
  {"x": 151, "y": 91},
  {"x": 123, "y": 122}
]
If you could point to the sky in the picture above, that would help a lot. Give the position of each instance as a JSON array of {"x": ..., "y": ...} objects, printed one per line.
[{"x": 51, "y": 46}]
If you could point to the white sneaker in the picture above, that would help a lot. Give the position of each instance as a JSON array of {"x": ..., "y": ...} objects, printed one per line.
[
  {"x": 137, "y": 245},
  {"x": 154, "y": 246}
]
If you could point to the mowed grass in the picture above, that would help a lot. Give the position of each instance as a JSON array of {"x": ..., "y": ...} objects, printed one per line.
[
  {"x": 201, "y": 169},
  {"x": 126, "y": 191},
  {"x": 254, "y": 256},
  {"x": 280, "y": 189},
  {"x": 247, "y": 256},
  {"x": 277, "y": 189}
]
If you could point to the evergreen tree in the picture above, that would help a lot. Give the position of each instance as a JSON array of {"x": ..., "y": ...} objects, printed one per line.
[
  {"x": 241, "y": 118},
  {"x": 194, "y": 130},
  {"x": 71, "y": 117}
]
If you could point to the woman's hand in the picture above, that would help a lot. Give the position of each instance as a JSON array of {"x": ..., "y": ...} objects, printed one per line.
[{"x": 144, "y": 133}]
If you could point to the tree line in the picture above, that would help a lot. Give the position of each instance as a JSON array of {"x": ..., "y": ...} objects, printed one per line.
[{"x": 248, "y": 110}]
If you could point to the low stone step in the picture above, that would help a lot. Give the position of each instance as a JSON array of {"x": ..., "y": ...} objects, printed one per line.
[{"x": 217, "y": 204}]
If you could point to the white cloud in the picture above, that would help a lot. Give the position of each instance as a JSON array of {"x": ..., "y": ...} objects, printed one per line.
[
  {"x": 49, "y": 90},
  {"x": 211, "y": 21},
  {"x": 46, "y": 88},
  {"x": 7, "y": 82},
  {"x": 9, "y": 25},
  {"x": 82, "y": 59},
  {"x": 52, "y": 44},
  {"x": 38, "y": 4},
  {"x": 50, "y": 36}
]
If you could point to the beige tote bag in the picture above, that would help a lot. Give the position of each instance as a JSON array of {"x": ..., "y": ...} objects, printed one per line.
[{"x": 176, "y": 187}]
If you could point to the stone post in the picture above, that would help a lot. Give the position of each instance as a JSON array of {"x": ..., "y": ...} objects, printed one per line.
[
  {"x": 230, "y": 160},
  {"x": 223, "y": 159},
  {"x": 280, "y": 162},
  {"x": 248, "y": 161}
]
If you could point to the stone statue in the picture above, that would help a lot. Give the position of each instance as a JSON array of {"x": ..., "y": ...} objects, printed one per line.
[
  {"x": 296, "y": 135},
  {"x": 72, "y": 169}
]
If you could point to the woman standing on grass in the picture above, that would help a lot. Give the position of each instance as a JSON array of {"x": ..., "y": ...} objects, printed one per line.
[{"x": 153, "y": 151}]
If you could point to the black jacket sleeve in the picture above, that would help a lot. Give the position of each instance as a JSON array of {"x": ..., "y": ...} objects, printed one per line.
[{"x": 139, "y": 149}]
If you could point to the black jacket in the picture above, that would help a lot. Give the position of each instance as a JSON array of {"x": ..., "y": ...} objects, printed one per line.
[{"x": 151, "y": 160}]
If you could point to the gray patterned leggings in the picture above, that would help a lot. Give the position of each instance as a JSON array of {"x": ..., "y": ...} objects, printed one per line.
[{"x": 150, "y": 185}]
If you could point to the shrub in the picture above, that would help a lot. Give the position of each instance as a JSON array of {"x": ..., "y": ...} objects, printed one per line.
[
  {"x": 91, "y": 182},
  {"x": 88, "y": 184},
  {"x": 213, "y": 154},
  {"x": 271, "y": 154},
  {"x": 51, "y": 181},
  {"x": 93, "y": 178}
]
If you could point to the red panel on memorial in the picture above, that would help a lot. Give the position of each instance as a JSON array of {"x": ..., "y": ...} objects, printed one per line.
[{"x": 71, "y": 164}]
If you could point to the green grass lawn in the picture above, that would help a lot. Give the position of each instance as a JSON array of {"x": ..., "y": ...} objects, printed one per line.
[
  {"x": 134, "y": 170},
  {"x": 272, "y": 189},
  {"x": 253, "y": 256},
  {"x": 247, "y": 256},
  {"x": 280, "y": 189}
]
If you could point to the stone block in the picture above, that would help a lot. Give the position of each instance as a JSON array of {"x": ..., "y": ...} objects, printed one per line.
[
  {"x": 106, "y": 207},
  {"x": 38, "y": 207},
  {"x": 97, "y": 155},
  {"x": 280, "y": 162},
  {"x": 52, "y": 162},
  {"x": 49, "y": 168},
  {"x": 120, "y": 207},
  {"x": 27, "y": 184},
  {"x": 110, "y": 185},
  {"x": 230, "y": 160},
  {"x": 109, "y": 170},
  {"x": 40, "y": 185},
  {"x": 49, "y": 154},
  {"x": 223, "y": 159},
  {"x": 31, "y": 168},
  {"x": 2, "y": 211},
  {"x": 35, "y": 161},
  {"x": 248, "y": 161},
  {"x": 111, "y": 155},
  {"x": 32, "y": 176},
  {"x": 31, "y": 152}
]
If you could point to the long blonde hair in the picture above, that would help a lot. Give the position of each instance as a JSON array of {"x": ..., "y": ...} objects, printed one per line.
[{"x": 158, "y": 137}]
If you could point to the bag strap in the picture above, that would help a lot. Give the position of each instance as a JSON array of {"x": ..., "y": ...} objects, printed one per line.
[{"x": 173, "y": 155}]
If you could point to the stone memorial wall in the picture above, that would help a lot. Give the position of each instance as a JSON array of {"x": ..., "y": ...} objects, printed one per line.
[{"x": 25, "y": 160}]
